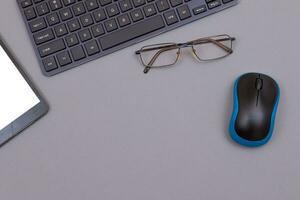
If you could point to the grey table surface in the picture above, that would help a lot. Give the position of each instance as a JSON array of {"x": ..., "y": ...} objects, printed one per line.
[{"x": 114, "y": 133}]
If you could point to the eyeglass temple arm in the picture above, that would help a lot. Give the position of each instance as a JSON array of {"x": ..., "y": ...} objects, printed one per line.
[
  {"x": 207, "y": 40},
  {"x": 155, "y": 48},
  {"x": 199, "y": 41}
]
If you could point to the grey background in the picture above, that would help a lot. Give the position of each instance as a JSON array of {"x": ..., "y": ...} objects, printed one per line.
[{"x": 114, "y": 133}]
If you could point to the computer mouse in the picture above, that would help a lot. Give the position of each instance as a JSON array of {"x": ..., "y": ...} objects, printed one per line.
[{"x": 256, "y": 97}]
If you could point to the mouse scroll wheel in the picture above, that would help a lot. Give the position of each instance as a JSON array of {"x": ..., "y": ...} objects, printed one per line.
[{"x": 259, "y": 84}]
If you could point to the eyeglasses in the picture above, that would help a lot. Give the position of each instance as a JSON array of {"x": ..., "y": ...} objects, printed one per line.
[{"x": 203, "y": 49}]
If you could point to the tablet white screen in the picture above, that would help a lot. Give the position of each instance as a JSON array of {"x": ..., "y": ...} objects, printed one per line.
[{"x": 16, "y": 96}]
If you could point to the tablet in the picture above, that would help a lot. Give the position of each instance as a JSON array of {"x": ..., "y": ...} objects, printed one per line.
[{"x": 20, "y": 104}]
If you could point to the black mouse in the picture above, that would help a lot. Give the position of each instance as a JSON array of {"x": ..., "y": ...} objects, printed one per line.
[{"x": 256, "y": 97}]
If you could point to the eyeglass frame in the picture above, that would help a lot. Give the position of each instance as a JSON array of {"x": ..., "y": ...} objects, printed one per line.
[{"x": 179, "y": 46}]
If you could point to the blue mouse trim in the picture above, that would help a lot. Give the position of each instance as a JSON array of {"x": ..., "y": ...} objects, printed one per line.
[{"x": 232, "y": 131}]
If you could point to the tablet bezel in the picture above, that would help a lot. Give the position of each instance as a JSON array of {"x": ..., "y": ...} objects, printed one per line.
[{"x": 29, "y": 117}]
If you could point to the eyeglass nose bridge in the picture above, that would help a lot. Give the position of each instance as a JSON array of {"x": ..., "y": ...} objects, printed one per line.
[{"x": 184, "y": 45}]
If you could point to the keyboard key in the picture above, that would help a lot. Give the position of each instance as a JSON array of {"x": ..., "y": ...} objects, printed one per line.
[
  {"x": 52, "y": 19},
  {"x": 199, "y": 9},
  {"x": 171, "y": 17},
  {"x": 64, "y": 58},
  {"x": 91, "y": 4},
  {"x": 97, "y": 30},
  {"x": 138, "y": 3},
  {"x": 30, "y": 13},
  {"x": 42, "y": 9},
  {"x": 43, "y": 36},
  {"x": 227, "y": 1},
  {"x": 131, "y": 32},
  {"x": 112, "y": 10},
  {"x": 49, "y": 64},
  {"x": 105, "y": 2},
  {"x": 99, "y": 15},
  {"x": 136, "y": 15},
  {"x": 72, "y": 40},
  {"x": 125, "y": 5},
  {"x": 110, "y": 25},
  {"x": 60, "y": 30},
  {"x": 68, "y": 2},
  {"x": 92, "y": 48},
  {"x": 26, "y": 3},
  {"x": 162, "y": 5},
  {"x": 37, "y": 1},
  {"x": 86, "y": 20},
  {"x": 37, "y": 25},
  {"x": 78, "y": 9},
  {"x": 65, "y": 14},
  {"x": 149, "y": 10},
  {"x": 73, "y": 25},
  {"x": 184, "y": 12},
  {"x": 78, "y": 53},
  {"x": 214, "y": 4},
  {"x": 85, "y": 35},
  {"x": 176, "y": 2},
  {"x": 55, "y": 4},
  {"x": 123, "y": 20},
  {"x": 51, "y": 47}
]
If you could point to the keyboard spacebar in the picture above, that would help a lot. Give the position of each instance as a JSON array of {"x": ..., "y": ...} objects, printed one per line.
[{"x": 131, "y": 32}]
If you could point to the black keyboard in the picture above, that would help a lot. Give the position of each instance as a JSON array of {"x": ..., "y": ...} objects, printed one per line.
[{"x": 68, "y": 33}]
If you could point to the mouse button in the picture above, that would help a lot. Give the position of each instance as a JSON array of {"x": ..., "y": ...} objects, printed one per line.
[
  {"x": 247, "y": 82},
  {"x": 246, "y": 90},
  {"x": 246, "y": 97},
  {"x": 249, "y": 77},
  {"x": 269, "y": 83},
  {"x": 267, "y": 100},
  {"x": 270, "y": 86},
  {"x": 269, "y": 92}
]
